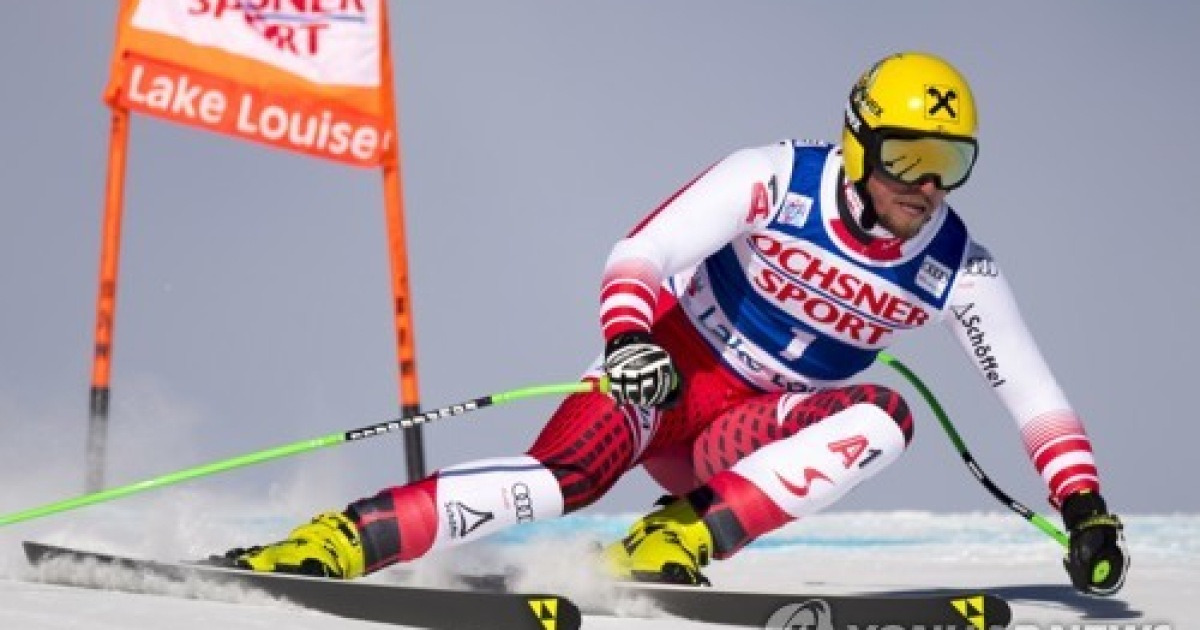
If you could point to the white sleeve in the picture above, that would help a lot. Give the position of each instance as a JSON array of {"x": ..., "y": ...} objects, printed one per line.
[
  {"x": 740, "y": 193},
  {"x": 987, "y": 323},
  {"x": 985, "y": 320},
  {"x": 734, "y": 196}
]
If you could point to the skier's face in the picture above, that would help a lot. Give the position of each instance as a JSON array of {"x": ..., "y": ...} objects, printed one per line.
[{"x": 903, "y": 208}]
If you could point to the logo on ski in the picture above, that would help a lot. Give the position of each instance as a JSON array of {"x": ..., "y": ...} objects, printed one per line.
[
  {"x": 813, "y": 614},
  {"x": 546, "y": 611},
  {"x": 463, "y": 519},
  {"x": 971, "y": 608}
]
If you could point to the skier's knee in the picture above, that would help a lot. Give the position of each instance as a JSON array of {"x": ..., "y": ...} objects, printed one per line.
[{"x": 891, "y": 402}]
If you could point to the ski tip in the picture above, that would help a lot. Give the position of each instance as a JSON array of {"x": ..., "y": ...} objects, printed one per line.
[{"x": 37, "y": 553}]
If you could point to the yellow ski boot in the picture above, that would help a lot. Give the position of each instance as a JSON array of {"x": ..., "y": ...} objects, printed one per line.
[
  {"x": 668, "y": 545},
  {"x": 329, "y": 546}
]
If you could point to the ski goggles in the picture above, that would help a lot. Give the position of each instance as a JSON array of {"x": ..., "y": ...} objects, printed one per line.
[{"x": 913, "y": 157}]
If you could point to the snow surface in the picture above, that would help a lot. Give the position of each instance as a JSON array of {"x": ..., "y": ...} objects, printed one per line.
[{"x": 828, "y": 554}]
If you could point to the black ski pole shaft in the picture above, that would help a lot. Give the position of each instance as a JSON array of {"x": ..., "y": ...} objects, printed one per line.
[{"x": 1037, "y": 520}]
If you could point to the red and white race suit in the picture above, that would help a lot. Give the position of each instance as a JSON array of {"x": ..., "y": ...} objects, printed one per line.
[{"x": 761, "y": 281}]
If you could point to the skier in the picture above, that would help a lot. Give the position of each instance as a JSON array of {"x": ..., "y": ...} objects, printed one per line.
[{"x": 736, "y": 317}]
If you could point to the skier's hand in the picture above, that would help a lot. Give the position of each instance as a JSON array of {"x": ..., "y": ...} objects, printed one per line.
[
  {"x": 1096, "y": 557},
  {"x": 640, "y": 372}
]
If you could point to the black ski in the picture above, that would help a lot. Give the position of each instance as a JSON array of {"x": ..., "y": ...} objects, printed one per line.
[
  {"x": 487, "y": 604},
  {"x": 433, "y": 608},
  {"x": 945, "y": 610},
  {"x": 967, "y": 611}
]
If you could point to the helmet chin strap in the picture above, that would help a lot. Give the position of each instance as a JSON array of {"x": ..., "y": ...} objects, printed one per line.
[
  {"x": 868, "y": 218},
  {"x": 862, "y": 210}
]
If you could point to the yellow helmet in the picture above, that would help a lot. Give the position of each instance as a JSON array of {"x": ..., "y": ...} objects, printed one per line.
[{"x": 911, "y": 115}]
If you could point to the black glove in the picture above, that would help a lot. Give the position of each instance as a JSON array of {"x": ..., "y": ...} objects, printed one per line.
[
  {"x": 639, "y": 371},
  {"x": 1096, "y": 556}
]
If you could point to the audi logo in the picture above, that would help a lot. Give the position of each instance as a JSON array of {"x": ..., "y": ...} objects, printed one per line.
[{"x": 522, "y": 503}]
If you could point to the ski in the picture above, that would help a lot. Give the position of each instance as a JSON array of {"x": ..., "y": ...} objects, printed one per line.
[
  {"x": 943, "y": 610},
  {"x": 485, "y": 602},
  {"x": 432, "y": 608},
  {"x": 966, "y": 611}
]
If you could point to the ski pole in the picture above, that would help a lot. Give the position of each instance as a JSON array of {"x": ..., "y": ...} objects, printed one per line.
[
  {"x": 1034, "y": 518},
  {"x": 303, "y": 446}
]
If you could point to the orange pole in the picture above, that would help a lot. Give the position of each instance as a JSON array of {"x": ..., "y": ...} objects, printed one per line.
[
  {"x": 106, "y": 300},
  {"x": 393, "y": 194}
]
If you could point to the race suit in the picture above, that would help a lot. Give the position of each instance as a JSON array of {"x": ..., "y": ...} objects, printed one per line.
[{"x": 771, "y": 291}]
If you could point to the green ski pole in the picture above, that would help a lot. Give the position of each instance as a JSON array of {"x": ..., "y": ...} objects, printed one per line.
[
  {"x": 1034, "y": 518},
  {"x": 303, "y": 446}
]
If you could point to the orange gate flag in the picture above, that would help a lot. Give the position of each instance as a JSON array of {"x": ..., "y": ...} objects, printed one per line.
[
  {"x": 313, "y": 76},
  {"x": 305, "y": 75}
]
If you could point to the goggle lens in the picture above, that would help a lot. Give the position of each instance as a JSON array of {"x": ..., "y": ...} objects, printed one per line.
[{"x": 913, "y": 160}]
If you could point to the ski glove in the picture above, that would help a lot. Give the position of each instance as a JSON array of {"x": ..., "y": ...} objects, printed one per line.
[
  {"x": 1096, "y": 556},
  {"x": 639, "y": 371}
]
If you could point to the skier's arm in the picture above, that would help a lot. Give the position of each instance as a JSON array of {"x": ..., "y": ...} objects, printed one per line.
[
  {"x": 985, "y": 320},
  {"x": 734, "y": 196}
]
